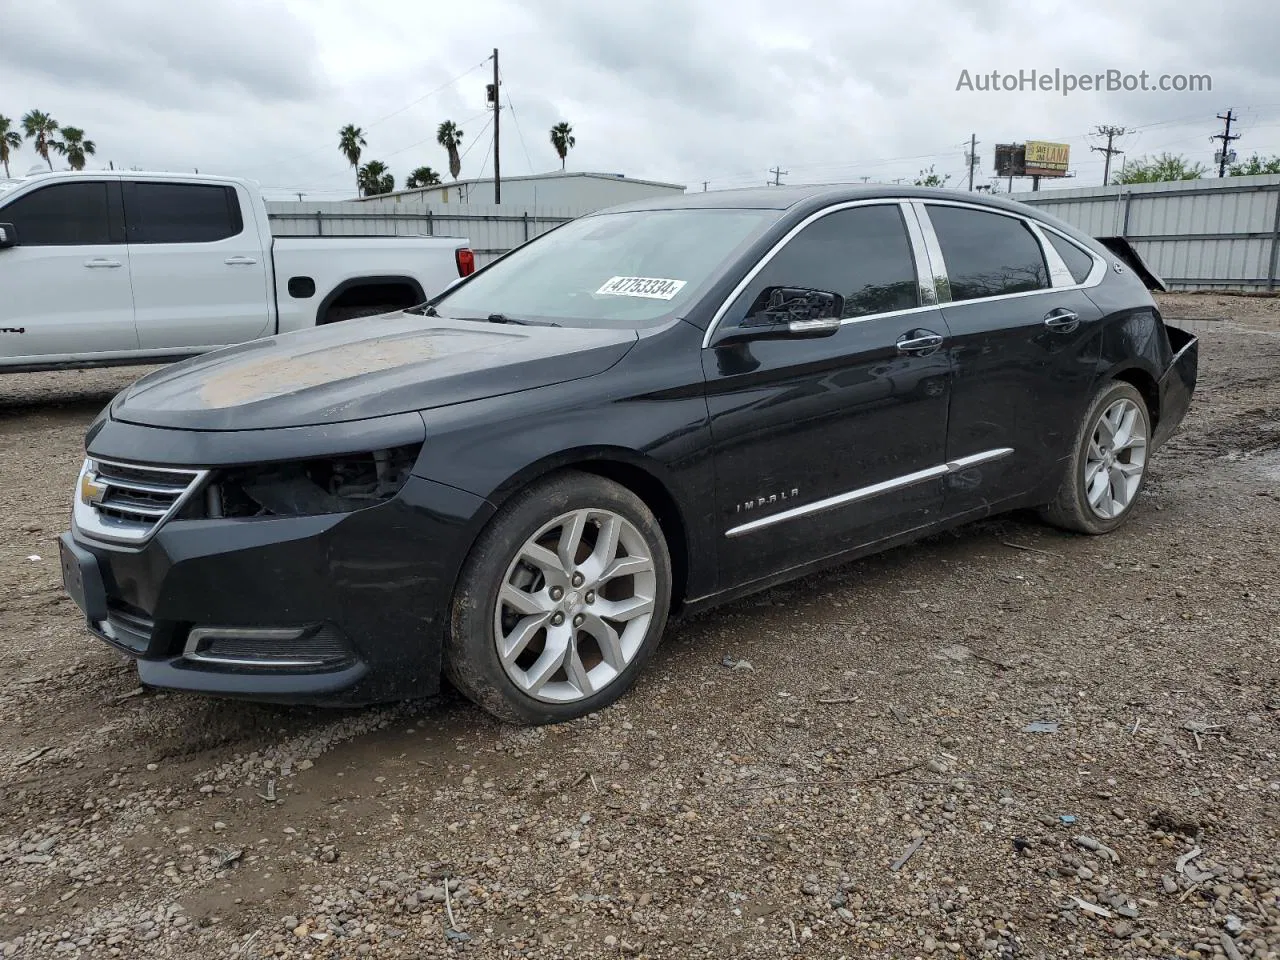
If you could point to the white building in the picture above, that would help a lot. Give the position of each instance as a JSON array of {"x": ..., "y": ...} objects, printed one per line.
[{"x": 582, "y": 191}]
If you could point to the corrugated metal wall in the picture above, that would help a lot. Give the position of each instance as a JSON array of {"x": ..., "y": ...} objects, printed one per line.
[
  {"x": 492, "y": 230},
  {"x": 1196, "y": 234}
]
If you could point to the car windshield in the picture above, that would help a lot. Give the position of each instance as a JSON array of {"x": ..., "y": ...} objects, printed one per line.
[{"x": 629, "y": 269}]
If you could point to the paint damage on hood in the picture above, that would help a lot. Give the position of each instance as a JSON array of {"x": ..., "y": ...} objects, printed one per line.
[{"x": 364, "y": 368}]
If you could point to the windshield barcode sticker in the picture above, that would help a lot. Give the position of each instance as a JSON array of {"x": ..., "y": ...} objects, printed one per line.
[{"x": 654, "y": 288}]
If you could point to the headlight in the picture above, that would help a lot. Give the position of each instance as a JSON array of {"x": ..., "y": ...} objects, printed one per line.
[{"x": 308, "y": 487}]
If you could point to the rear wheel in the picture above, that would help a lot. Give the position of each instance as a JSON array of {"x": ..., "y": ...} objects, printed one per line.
[
  {"x": 1108, "y": 465},
  {"x": 561, "y": 602}
]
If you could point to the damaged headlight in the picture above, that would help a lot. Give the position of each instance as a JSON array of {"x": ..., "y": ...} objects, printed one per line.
[{"x": 298, "y": 488}]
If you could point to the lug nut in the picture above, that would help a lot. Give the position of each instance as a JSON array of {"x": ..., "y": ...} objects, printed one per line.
[
  {"x": 557, "y": 619},
  {"x": 577, "y": 621},
  {"x": 577, "y": 580},
  {"x": 557, "y": 593},
  {"x": 590, "y": 597}
]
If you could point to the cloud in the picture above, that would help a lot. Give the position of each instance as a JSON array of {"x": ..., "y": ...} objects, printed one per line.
[{"x": 684, "y": 90}]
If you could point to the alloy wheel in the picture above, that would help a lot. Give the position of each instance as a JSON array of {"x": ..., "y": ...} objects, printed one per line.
[
  {"x": 1116, "y": 459},
  {"x": 575, "y": 605}
]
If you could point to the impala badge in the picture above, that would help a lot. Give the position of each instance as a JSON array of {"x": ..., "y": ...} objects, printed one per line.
[{"x": 767, "y": 499}]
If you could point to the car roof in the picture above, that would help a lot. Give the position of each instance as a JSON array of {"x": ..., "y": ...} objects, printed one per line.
[
  {"x": 800, "y": 201},
  {"x": 56, "y": 175},
  {"x": 811, "y": 196}
]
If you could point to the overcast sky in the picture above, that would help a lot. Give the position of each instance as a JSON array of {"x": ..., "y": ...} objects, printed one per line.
[{"x": 677, "y": 90}]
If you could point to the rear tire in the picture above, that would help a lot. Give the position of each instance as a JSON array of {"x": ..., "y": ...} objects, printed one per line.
[
  {"x": 561, "y": 601},
  {"x": 1107, "y": 468}
]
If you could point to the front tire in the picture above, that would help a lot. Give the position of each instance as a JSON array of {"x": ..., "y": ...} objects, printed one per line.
[
  {"x": 561, "y": 601},
  {"x": 1107, "y": 467}
]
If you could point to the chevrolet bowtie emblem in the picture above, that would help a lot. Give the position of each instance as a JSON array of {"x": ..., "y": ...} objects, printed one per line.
[{"x": 91, "y": 491}]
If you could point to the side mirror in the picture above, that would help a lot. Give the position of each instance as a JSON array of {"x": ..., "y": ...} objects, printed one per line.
[
  {"x": 8, "y": 235},
  {"x": 789, "y": 313}
]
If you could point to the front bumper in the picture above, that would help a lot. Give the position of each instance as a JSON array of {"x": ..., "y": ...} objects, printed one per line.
[
  {"x": 1177, "y": 384},
  {"x": 371, "y": 588}
]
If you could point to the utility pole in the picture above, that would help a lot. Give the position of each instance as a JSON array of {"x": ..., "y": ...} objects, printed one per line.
[
  {"x": 497, "y": 106},
  {"x": 704, "y": 185},
  {"x": 299, "y": 198},
  {"x": 972, "y": 157},
  {"x": 1226, "y": 137},
  {"x": 778, "y": 174},
  {"x": 1110, "y": 133}
]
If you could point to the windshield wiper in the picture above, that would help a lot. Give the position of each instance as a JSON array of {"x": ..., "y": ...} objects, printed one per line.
[
  {"x": 425, "y": 310},
  {"x": 503, "y": 318}
]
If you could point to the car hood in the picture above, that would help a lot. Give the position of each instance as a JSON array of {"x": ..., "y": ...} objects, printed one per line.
[{"x": 364, "y": 368}]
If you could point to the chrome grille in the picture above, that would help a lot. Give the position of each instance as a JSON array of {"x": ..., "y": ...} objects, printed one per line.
[{"x": 128, "y": 502}]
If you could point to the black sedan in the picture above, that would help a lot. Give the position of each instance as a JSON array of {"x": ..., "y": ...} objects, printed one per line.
[{"x": 647, "y": 411}]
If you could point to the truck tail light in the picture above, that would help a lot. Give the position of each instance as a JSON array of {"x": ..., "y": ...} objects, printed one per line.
[{"x": 466, "y": 261}]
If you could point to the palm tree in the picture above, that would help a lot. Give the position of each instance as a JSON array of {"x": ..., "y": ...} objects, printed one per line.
[
  {"x": 10, "y": 140},
  {"x": 562, "y": 139},
  {"x": 422, "y": 177},
  {"x": 41, "y": 127},
  {"x": 350, "y": 140},
  {"x": 374, "y": 178},
  {"x": 449, "y": 136},
  {"x": 75, "y": 147}
]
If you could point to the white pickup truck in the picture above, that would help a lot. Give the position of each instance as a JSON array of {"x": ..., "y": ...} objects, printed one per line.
[{"x": 113, "y": 267}]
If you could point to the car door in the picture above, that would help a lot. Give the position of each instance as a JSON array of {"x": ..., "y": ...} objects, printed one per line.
[
  {"x": 822, "y": 445},
  {"x": 1025, "y": 341},
  {"x": 199, "y": 271},
  {"x": 64, "y": 285}
]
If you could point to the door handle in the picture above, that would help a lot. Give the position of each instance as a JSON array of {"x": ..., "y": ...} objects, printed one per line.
[
  {"x": 239, "y": 261},
  {"x": 919, "y": 342},
  {"x": 102, "y": 262},
  {"x": 1062, "y": 320}
]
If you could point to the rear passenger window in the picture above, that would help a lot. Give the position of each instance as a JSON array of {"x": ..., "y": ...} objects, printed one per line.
[
  {"x": 1079, "y": 264},
  {"x": 181, "y": 213},
  {"x": 861, "y": 253},
  {"x": 64, "y": 214},
  {"x": 987, "y": 255}
]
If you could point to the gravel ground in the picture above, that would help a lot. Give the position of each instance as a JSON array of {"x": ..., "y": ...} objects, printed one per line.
[{"x": 843, "y": 767}]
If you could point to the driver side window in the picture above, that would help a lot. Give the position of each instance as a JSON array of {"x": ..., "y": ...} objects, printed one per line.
[{"x": 861, "y": 253}]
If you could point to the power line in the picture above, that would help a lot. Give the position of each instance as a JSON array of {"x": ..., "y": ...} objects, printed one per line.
[
  {"x": 476, "y": 139},
  {"x": 480, "y": 176},
  {"x": 393, "y": 113},
  {"x": 519, "y": 133}
]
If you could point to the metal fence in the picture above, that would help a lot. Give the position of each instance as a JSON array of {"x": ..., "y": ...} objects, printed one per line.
[
  {"x": 1195, "y": 234},
  {"x": 492, "y": 230}
]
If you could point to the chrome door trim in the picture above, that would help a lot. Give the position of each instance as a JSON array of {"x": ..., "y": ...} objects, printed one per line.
[
  {"x": 790, "y": 235},
  {"x": 874, "y": 490},
  {"x": 927, "y": 289},
  {"x": 1059, "y": 275},
  {"x": 1095, "y": 277},
  {"x": 938, "y": 265},
  {"x": 1099, "y": 269}
]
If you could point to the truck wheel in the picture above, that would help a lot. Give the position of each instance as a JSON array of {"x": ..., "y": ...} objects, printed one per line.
[
  {"x": 338, "y": 314},
  {"x": 1107, "y": 467},
  {"x": 560, "y": 603}
]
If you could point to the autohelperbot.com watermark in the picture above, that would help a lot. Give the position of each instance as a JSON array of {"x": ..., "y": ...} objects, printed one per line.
[{"x": 1061, "y": 81}]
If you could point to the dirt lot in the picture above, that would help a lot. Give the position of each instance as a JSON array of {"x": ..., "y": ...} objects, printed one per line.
[{"x": 756, "y": 810}]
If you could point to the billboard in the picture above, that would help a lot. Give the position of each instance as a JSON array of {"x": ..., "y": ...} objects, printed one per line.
[
  {"x": 1043, "y": 159},
  {"x": 1010, "y": 160},
  {"x": 1035, "y": 158}
]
